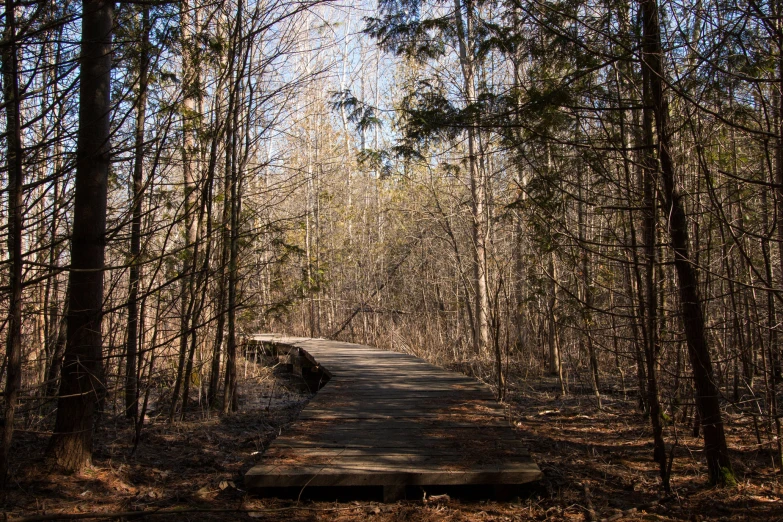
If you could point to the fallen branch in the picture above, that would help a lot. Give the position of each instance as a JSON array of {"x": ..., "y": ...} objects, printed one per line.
[{"x": 589, "y": 510}]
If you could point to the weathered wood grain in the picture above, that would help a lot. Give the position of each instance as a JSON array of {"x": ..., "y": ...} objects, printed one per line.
[{"x": 392, "y": 420}]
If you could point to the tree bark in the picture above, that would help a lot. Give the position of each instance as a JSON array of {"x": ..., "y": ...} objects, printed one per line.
[
  {"x": 131, "y": 352},
  {"x": 776, "y": 355},
  {"x": 82, "y": 383},
  {"x": 478, "y": 193},
  {"x": 230, "y": 402},
  {"x": 707, "y": 395},
  {"x": 189, "y": 89},
  {"x": 55, "y": 366},
  {"x": 587, "y": 293},
  {"x": 649, "y": 305},
  {"x": 15, "y": 229}
]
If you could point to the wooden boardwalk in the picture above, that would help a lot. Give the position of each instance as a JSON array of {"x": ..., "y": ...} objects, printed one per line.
[{"x": 389, "y": 420}]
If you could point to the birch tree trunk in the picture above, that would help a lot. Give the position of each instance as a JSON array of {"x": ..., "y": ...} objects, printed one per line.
[
  {"x": 189, "y": 88},
  {"x": 478, "y": 189}
]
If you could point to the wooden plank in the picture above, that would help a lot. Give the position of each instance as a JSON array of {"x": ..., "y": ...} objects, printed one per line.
[
  {"x": 471, "y": 441},
  {"x": 398, "y": 434},
  {"x": 413, "y": 376},
  {"x": 327, "y": 450},
  {"x": 404, "y": 410},
  {"x": 393, "y": 463},
  {"x": 270, "y": 476},
  {"x": 336, "y": 396},
  {"x": 391, "y": 415},
  {"x": 398, "y": 466},
  {"x": 389, "y": 419},
  {"x": 372, "y": 394},
  {"x": 367, "y": 387},
  {"x": 279, "y": 454},
  {"x": 404, "y": 407},
  {"x": 466, "y": 442},
  {"x": 422, "y": 427}
]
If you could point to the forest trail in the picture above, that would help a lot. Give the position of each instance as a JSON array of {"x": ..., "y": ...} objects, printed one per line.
[{"x": 388, "y": 420}]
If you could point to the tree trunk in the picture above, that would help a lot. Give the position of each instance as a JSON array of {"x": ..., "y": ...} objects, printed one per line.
[
  {"x": 55, "y": 366},
  {"x": 214, "y": 374},
  {"x": 649, "y": 305},
  {"x": 554, "y": 355},
  {"x": 230, "y": 402},
  {"x": 776, "y": 355},
  {"x": 707, "y": 396},
  {"x": 199, "y": 281},
  {"x": 15, "y": 230},
  {"x": 478, "y": 190},
  {"x": 225, "y": 240},
  {"x": 131, "y": 352},
  {"x": 587, "y": 293},
  {"x": 82, "y": 383},
  {"x": 189, "y": 88}
]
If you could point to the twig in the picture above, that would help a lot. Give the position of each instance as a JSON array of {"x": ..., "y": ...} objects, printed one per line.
[
  {"x": 589, "y": 510},
  {"x": 271, "y": 395}
]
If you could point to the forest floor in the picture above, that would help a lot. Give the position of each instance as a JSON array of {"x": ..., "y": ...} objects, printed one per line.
[{"x": 597, "y": 466}]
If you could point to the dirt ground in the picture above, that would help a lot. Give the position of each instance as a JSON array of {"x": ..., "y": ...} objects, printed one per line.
[{"x": 597, "y": 466}]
